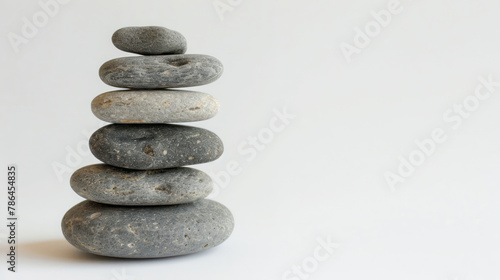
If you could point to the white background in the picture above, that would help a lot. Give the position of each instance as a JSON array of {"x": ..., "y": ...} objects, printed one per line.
[{"x": 321, "y": 177}]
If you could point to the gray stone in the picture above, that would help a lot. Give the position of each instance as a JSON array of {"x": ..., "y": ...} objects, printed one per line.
[
  {"x": 149, "y": 40},
  {"x": 163, "y": 71},
  {"x": 154, "y": 146},
  {"x": 154, "y": 106},
  {"x": 112, "y": 185},
  {"x": 149, "y": 231}
]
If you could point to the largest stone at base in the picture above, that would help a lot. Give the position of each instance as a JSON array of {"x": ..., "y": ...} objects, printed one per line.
[{"x": 147, "y": 232}]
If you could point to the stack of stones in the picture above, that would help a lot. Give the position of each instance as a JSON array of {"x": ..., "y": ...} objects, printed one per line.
[{"x": 141, "y": 203}]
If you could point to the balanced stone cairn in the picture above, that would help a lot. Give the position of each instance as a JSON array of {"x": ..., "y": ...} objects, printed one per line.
[{"x": 142, "y": 202}]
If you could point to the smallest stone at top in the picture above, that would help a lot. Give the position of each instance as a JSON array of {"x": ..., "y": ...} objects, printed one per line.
[{"x": 149, "y": 40}]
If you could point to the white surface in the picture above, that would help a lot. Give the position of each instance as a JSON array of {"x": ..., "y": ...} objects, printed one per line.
[{"x": 321, "y": 177}]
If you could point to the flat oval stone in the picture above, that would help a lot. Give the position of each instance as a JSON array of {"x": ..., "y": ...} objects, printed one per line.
[
  {"x": 154, "y": 106},
  {"x": 154, "y": 146},
  {"x": 149, "y": 40},
  {"x": 118, "y": 186},
  {"x": 162, "y": 71},
  {"x": 149, "y": 231}
]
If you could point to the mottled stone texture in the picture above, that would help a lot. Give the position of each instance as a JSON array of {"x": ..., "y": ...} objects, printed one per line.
[
  {"x": 141, "y": 202},
  {"x": 163, "y": 71},
  {"x": 118, "y": 186},
  {"x": 149, "y": 40},
  {"x": 154, "y": 146},
  {"x": 154, "y": 106},
  {"x": 147, "y": 232}
]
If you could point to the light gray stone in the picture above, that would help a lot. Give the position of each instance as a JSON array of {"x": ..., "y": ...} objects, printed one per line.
[
  {"x": 118, "y": 186},
  {"x": 154, "y": 106},
  {"x": 162, "y": 71},
  {"x": 149, "y": 231},
  {"x": 154, "y": 146},
  {"x": 149, "y": 40}
]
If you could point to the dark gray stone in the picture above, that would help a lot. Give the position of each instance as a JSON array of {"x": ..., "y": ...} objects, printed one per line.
[
  {"x": 149, "y": 231},
  {"x": 118, "y": 186},
  {"x": 154, "y": 146},
  {"x": 149, "y": 40},
  {"x": 163, "y": 71},
  {"x": 154, "y": 106}
]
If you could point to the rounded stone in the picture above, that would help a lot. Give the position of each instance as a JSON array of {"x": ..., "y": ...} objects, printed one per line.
[
  {"x": 162, "y": 71},
  {"x": 154, "y": 146},
  {"x": 149, "y": 231},
  {"x": 118, "y": 186},
  {"x": 154, "y": 106},
  {"x": 149, "y": 40}
]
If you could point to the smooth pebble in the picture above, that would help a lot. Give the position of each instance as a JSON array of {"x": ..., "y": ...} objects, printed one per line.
[
  {"x": 161, "y": 71},
  {"x": 118, "y": 186},
  {"x": 154, "y": 106},
  {"x": 154, "y": 146},
  {"x": 149, "y": 231},
  {"x": 149, "y": 40}
]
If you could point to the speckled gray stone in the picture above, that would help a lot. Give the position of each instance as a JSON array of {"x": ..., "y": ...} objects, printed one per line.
[
  {"x": 162, "y": 71},
  {"x": 149, "y": 40},
  {"x": 118, "y": 186},
  {"x": 154, "y": 106},
  {"x": 149, "y": 231},
  {"x": 154, "y": 146}
]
